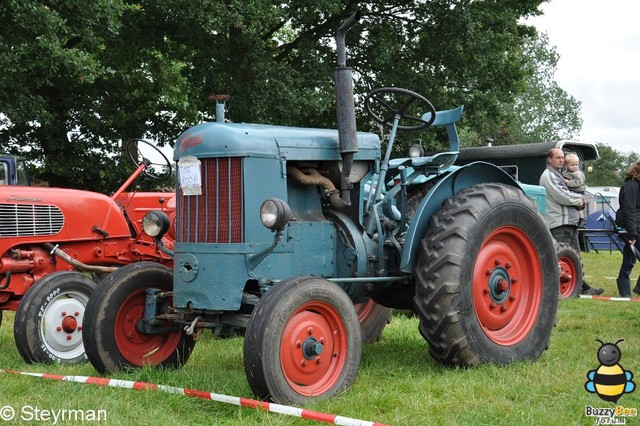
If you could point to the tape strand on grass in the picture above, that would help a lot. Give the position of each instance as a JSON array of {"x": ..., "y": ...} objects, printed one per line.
[
  {"x": 612, "y": 299},
  {"x": 242, "y": 402}
]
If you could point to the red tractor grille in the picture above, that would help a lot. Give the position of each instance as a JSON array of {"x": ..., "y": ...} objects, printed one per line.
[
  {"x": 27, "y": 220},
  {"x": 216, "y": 216}
]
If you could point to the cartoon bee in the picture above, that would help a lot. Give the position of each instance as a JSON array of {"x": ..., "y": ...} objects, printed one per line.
[{"x": 609, "y": 381}]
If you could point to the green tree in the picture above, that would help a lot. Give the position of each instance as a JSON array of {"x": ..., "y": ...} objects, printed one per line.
[
  {"x": 609, "y": 169},
  {"x": 80, "y": 78},
  {"x": 544, "y": 111},
  {"x": 50, "y": 61},
  {"x": 115, "y": 69}
]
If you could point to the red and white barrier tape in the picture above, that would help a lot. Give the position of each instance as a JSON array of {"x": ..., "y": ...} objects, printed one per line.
[
  {"x": 243, "y": 402},
  {"x": 613, "y": 299}
]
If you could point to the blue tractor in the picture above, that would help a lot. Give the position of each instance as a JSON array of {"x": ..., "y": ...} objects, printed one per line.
[
  {"x": 305, "y": 239},
  {"x": 13, "y": 170}
]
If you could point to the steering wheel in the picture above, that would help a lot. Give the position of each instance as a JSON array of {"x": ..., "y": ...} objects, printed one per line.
[
  {"x": 395, "y": 101},
  {"x": 158, "y": 165}
]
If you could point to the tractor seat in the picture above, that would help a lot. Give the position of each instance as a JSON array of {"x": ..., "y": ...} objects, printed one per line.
[{"x": 447, "y": 118}]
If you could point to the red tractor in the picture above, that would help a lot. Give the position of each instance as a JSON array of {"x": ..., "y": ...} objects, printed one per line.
[{"x": 54, "y": 244}]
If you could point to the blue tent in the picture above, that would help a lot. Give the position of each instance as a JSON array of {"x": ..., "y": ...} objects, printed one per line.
[{"x": 599, "y": 232}]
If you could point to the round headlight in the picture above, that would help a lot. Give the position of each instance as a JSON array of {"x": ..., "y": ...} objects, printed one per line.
[
  {"x": 416, "y": 151},
  {"x": 275, "y": 214},
  {"x": 155, "y": 224}
]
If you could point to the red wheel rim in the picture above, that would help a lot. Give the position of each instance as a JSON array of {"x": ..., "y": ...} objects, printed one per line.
[
  {"x": 507, "y": 286},
  {"x": 568, "y": 278},
  {"x": 138, "y": 348},
  {"x": 312, "y": 328},
  {"x": 364, "y": 309}
]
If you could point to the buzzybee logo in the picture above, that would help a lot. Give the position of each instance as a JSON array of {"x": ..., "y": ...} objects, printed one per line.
[{"x": 610, "y": 381}]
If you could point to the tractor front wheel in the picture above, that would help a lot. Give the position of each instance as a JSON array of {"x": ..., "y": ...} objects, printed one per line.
[
  {"x": 373, "y": 319},
  {"x": 487, "y": 279},
  {"x": 113, "y": 336},
  {"x": 570, "y": 266},
  {"x": 303, "y": 342},
  {"x": 48, "y": 323}
]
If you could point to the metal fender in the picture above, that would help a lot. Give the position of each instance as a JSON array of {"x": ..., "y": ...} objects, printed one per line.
[{"x": 461, "y": 178}]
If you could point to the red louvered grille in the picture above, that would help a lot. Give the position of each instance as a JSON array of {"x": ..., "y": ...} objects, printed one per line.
[{"x": 216, "y": 216}]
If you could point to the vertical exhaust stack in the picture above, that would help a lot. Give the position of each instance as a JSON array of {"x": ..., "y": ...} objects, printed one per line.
[
  {"x": 220, "y": 103},
  {"x": 345, "y": 108}
]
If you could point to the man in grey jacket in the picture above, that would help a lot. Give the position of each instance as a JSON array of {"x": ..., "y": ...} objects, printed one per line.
[{"x": 562, "y": 207}]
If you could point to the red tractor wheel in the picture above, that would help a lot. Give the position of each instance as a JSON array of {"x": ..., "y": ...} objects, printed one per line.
[
  {"x": 112, "y": 334},
  {"x": 373, "y": 319},
  {"x": 570, "y": 266},
  {"x": 487, "y": 279},
  {"x": 507, "y": 311},
  {"x": 303, "y": 342},
  {"x": 48, "y": 323}
]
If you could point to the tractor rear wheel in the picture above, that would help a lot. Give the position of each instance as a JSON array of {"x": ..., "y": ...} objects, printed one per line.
[
  {"x": 487, "y": 279},
  {"x": 303, "y": 342},
  {"x": 48, "y": 323},
  {"x": 373, "y": 319},
  {"x": 570, "y": 266},
  {"x": 112, "y": 334}
]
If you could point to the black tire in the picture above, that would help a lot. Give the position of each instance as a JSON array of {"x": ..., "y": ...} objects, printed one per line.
[
  {"x": 293, "y": 319},
  {"x": 570, "y": 265},
  {"x": 48, "y": 323},
  {"x": 373, "y": 319},
  {"x": 112, "y": 340},
  {"x": 487, "y": 279}
]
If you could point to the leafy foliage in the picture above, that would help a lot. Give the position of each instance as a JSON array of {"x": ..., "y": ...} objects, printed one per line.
[
  {"x": 50, "y": 56},
  {"x": 609, "y": 169},
  {"x": 544, "y": 112},
  {"x": 110, "y": 70}
]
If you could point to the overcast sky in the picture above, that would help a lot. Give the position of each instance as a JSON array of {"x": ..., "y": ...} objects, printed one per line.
[{"x": 599, "y": 46}]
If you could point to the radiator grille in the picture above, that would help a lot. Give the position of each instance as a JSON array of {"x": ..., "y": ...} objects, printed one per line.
[
  {"x": 216, "y": 216},
  {"x": 23, "y": 220}
]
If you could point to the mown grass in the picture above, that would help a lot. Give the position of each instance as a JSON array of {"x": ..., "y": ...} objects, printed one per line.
[{"x": 398, "y": 382}]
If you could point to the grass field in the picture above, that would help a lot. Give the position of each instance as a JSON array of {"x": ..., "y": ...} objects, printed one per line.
[{"x": 398, "y": 382}]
